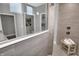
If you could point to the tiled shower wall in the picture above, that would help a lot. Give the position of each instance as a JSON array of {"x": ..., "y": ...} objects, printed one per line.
[{"x": 68, "y": 16}]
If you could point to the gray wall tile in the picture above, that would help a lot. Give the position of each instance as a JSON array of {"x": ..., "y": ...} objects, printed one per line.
[{"x": 68, "y": 16}]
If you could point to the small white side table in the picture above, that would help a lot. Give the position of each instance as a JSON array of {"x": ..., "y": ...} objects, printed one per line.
[{"x": 69, "y": 46}]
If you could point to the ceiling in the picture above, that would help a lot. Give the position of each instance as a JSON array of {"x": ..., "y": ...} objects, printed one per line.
[{"x": 35, "y": 4}]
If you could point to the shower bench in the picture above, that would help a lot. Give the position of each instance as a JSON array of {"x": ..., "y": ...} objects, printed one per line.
[{"x": 69, "y": 46}]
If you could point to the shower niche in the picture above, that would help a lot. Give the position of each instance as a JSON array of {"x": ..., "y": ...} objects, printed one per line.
[
  {"x": 43, "y": 21},
  {"x": 8, "y": 26},
  {"x": 29, "y": 22}
]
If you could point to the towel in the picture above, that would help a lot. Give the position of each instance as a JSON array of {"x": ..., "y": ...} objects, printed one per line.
[{"x": 68, "y": 41}]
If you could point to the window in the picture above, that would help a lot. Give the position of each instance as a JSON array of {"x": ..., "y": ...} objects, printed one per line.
[
  {"x": 15, "y": 7},
  {"x": 29, "y": 10}
]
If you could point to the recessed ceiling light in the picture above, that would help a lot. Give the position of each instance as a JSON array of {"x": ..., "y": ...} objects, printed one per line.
[{"x": 37, "y": 13}]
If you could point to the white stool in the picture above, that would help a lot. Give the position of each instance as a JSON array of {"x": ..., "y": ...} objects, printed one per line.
[{"x": 69, "y": 46}]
